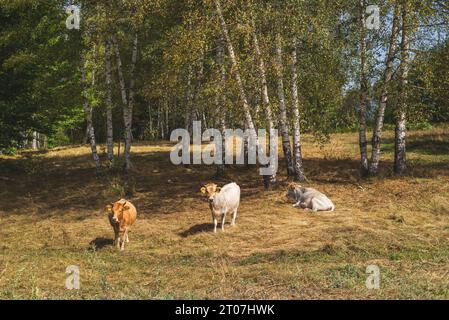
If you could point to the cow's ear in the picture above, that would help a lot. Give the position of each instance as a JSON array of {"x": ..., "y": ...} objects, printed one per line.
[
  {"x": 126, "y": 208},
  {"x": 203, "y": 190}
]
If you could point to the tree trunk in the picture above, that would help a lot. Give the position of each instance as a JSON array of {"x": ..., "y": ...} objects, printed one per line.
[
  {"x": 86, "y": 135},
  {"x": 264, "y": 87},
  {"x": 221, "y": 102},
  {"x": 194, "y": 107},
  {"x": 121, "y": 77},
  {"x": 204, "y": 119},
  {"x": 297, "y": 163},
  {"x": 235, "y": 69},
  {"x": 286, "y": 146},
  {"x": 127, "y": 104},
  {"x": 34, "y": 143},
  {"x": 150, "y": 117},
  {"x": 160, "y": 131},
  {"x": 109, "y": 106},
  {"x": 44, "y": 141},
  {"x": 400, "y": 131},
  {"x": 388, "y": 73},
  {"x": 363, "y": 92},
  {"x": 128, "y": 117},
  {"x": 189, "y": 100},
  {"x": 167, "y": 125},
  {"x": 88, "y": 113}
]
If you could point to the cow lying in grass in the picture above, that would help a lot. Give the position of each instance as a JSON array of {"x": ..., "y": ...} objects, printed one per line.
[
  {"x": 122, "y": 215},
  {"x": 309, "y": 198},
  {"x": 222, "y": 201}
]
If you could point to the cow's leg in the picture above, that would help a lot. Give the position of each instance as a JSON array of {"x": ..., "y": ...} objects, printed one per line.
[
  {"x": 234, "y": 216},
  {"x": 115, "y": 235},
  {"x": 122, "y": 241},
  {"x": 122, "y": 238},
  {"x": 117, "y": 238},
  {"x": 215, "y": 225},
  {"x": 223, "y": 220},
  {"x": 127, "y": 237}
]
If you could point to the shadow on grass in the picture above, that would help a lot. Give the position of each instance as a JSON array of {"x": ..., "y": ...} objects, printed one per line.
[
  {"x": 203, "y": 227},
  {"x": 99, "y": 243},
  {"x": 427, "y": 144},
  {"x": 70, "y": 187}
]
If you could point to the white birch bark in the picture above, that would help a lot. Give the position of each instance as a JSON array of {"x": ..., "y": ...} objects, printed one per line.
[
  {"x": 221, "y": 102},
  {"x": 127, "y": 100},
  {"x": 363, "y": 92},
  {"x": 297, "y": 153},
  {"x": 388, "y": 73},
  {"x": 400, "y": 164},
  {"x": 236, "y": 72},
  {"x": 263, "y": 78},
  {"x": 88, "y": 113},
  {"x": 286, "y": 146},
  {"x": 34, "y": 142},
  {"x": 150, "y": 119},
  {"x": 109, "y": 106},
  {"x": 189, "y": 100}
]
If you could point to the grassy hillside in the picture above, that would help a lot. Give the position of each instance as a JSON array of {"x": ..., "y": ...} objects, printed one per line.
[{"x": 52, "y": 216}]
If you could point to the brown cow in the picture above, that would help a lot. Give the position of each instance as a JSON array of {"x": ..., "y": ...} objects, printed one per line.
[{"x": 122, "y": 214}]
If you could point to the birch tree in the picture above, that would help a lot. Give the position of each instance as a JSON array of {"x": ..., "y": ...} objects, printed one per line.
[
  {"x": 297, "y": 153},
  {"x": 221, "y": 101},
  {"x": 128, "y": 115},
  {"x": 387, "y": 76},
  {"x": 363, "y": 91},
  {"x": 189, "y": 100},
  {"x": 88, "y": 112},
  {"x": 286, "y": 146},
  {"x": 264, "y": 86},
  {"x": 127, "y": 100},
  {"x": 400, "y": 129},
  {"x": 235, "y": 69},
  {"x": 109, "y": 105}
]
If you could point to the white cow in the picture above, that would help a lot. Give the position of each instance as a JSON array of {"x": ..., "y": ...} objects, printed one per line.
[
  {"x": 309, "y": 198},
  {"x": 222, "y": 201}
]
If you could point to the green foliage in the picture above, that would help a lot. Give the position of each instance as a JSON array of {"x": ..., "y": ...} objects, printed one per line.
[
  {"x": 37, "y": 69},
  {"x": 430, "y": 80},
  {"x": 40, "y": 58}
]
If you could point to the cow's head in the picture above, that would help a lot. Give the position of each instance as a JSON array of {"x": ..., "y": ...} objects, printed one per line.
[
  {"x": 210, "y": 190},
  {"x": 115, "y": 210},
  {"x": 291, "y": 189}
]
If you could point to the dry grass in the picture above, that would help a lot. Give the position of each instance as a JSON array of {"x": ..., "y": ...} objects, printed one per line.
[{"x": 51, "y": 217}]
